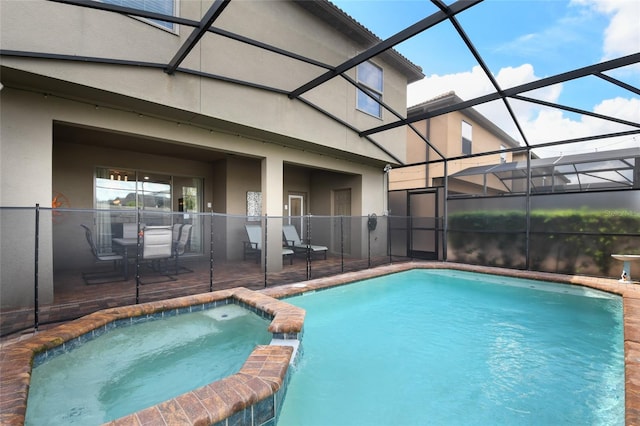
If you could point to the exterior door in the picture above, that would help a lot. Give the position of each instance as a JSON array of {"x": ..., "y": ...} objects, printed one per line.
[
  {"x": 296, "y": 212},
  {"x": 188, "y": 191},
  {"x": 423, "y": 227},
  {"x": 341, "y": 236}
]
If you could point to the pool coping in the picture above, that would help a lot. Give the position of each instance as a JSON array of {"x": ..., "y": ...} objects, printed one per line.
[{"x": 264, "y": 372}]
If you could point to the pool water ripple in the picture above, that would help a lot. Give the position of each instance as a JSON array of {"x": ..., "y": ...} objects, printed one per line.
[{"x": 456, "y": 348}]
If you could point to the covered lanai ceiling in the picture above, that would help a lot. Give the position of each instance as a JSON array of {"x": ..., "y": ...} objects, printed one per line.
[{"x": 436, "y": 26}]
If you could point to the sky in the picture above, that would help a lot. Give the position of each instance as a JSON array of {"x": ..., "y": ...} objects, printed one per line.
[{"x": 522, "y": 41}]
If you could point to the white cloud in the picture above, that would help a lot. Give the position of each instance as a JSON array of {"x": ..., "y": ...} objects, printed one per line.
[
  {"x": 552, "y": 125},
  {"x": 473, "y": 84},
  {"x": 622, "y": 35},
  {"x": 541, "y": 124},
  {"x": 466, "y": 85},
  {"x": 625, "y": 109}
]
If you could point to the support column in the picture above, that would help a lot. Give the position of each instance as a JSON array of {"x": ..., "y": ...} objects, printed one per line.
[
  {"x": 272, "y": 200},
  {"x": 26, "y": 161}
]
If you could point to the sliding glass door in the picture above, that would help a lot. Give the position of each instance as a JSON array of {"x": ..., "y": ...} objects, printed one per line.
[{"x": 161, "y": 200}]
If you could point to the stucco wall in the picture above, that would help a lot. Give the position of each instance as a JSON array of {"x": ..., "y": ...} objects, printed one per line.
[
  {"x": 25, "y": 180},
  {"x": 445, "y": 134},
  {"x": 30, "y": 173},
  {"x": 40, "y": 26},
  {"x": 181, "y": 109}
]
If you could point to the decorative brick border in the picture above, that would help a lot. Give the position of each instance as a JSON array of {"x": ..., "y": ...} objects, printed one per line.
[{"x": 239, "y": 395}]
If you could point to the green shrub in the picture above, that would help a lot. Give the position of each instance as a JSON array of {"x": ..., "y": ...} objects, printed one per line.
[{"x": 561, "y": 237}]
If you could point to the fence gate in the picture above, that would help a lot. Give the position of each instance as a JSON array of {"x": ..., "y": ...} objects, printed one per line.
[{"x": 423, "y": 224}]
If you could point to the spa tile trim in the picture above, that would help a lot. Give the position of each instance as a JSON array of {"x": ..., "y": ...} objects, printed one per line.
[
  {"x": 124, "y": 322},
  {"x": 248, "y": 397},
  {"x": 262, "y": 306}
]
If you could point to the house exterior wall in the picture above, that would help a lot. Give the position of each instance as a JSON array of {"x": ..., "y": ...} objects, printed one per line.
[
  {"x": 85, "y": 32},
  {"x": 25, "y": 173},
  {"x": 257, "y": 131},
  {"x": 417, "y": 152},
  {"x": 154, "y": 98},
  {"x": 444, "y": 132}
]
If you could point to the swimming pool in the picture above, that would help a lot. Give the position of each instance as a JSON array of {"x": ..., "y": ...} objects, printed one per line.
[
  {"x": 454, "y": 347},
  {"x": 142, "y": 364}
]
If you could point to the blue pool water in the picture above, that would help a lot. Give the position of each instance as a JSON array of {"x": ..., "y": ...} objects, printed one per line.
[
  {"x": 456, "y": 348},
  {"x": 131, "y": 368}
]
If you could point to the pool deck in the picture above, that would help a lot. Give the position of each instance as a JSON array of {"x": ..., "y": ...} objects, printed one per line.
[{"x": 264, "y": 371}]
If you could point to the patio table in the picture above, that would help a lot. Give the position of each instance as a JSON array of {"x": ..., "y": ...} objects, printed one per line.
[{"x": 124, "y": 244}]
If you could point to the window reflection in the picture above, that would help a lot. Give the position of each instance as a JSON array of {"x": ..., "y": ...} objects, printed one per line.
[
  {"x": 126, "y": 196},
  {"x": 124, "y": 189},
  {"x": 115, "y": 189}
]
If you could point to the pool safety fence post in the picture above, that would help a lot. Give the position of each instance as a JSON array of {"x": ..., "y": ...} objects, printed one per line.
[
  {"x": 211, "y": 252},
  {"x": 264, "y": 249},
  {"x": 308, "y": 253},
  {"x": 445, "y": 208},
  {"x": 388, "y": 217},
  {"x": 369, "y": 243},
  {"x": 410, "y": 237},
  {"x": 342, "y": 243},
  {"x": 138, "y": 234},
  {"x": 528, "y": 214},
  {"x": 36, "y": 319}
]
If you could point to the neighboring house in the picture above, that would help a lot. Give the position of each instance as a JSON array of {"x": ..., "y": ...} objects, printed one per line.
[
  {"x": 102, "y": 108},
  {"x": 457, "y": 134},
  {"x": 502, "y": 170}
]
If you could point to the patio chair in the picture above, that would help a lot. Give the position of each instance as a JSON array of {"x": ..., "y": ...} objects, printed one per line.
[
  {"x": 157, "y": 248},
  {"x": 175, "y": 230},
  {"x": 130, "y": 230},
  {"x": 253, "y": 247},
  {"x": 101, "y": 277},
  {"x": 292, "y": 239},
  {"x": 180, "y": 245}
]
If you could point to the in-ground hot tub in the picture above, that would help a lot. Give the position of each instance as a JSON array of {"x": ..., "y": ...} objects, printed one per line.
[
  {"x": 141, "y": 362},
  {"x": 251, "y": 396}
]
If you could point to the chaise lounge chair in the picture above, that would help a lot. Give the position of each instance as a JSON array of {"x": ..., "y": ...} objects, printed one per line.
[
  {"x": 253, "y": 247},
  {"x": 292, "y": 239}
]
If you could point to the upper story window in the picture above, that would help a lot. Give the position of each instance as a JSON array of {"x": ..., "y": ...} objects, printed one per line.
[
  {"x": 466, "y": 138},
  {"x": 166, "y": 7},
  {"x": 503, "y": 154},
  {"x": 370, "y": 76}
]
